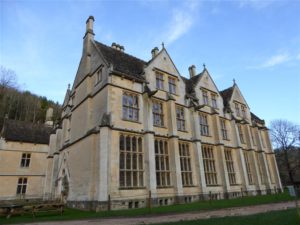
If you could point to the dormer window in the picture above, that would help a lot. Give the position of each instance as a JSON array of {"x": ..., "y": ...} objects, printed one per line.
[
  {"x": 243, "y": 111},
  {"x": 214, "y": 101},
  {"x": 159, "y": 81},
  {"x": 172, "y": 85},
  {"x": 205, "y": 97},
  {"x": 237, "y": 109}
]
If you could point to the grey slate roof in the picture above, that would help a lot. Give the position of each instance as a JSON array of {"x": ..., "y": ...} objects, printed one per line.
[
  {"x": 191, "y": 83},
  {"x": 122, "y": 62},
  {"x": 256, "y": 118},
  {"x": 14, "y": 130},
  {"x": 226, "y": 95}
]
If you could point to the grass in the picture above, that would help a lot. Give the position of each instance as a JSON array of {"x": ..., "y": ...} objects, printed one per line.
[
  {"x": 286, "y": 217},
  {"x": 74, "y": 214}
]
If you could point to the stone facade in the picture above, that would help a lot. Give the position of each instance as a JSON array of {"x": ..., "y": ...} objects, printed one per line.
[
  {"x": 23, "y": 151},
  {"x": 135, "y": 133}
]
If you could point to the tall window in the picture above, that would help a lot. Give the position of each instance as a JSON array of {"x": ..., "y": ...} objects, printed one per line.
[
  {"x": 258, "y": 161},
  {"x": 230, "y": 166},
  {"x": 22, "y": 186},
  {"x": 241, "y": 134},
  {"x": 203, "y": 124},
  {"x": 158, "y": 116},
  {"x": 243, "y": 111},
  {"x": 130, "y": 107},
  {"x": 185, "y": 164},
  {"x": 262, "y": 139},
  {"x": 162, "y": 163},
  {"x": 180, "y": 118},
  {"x": 237, "y": 109},
  {"x": 25, "y": 160},
  {"x": 253, "y": 136},
  {"x": 248, "y": 167},
  {"x": 99, "y": 76},
  {"x": 159, "y": 81},
  {"x": 205, "y": 97},
  {"x": 172, "y": 85},
  {"x": 209, "y": 165},
  {"x": 131, "y": 161},
  {"x": 224, "y": 129},
  {"x": 214, "y": 101}
]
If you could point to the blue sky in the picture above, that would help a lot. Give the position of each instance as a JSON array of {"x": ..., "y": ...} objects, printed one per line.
[{"x": 255, "y": 42}]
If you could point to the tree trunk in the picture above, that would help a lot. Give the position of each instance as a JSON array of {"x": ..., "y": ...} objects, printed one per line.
[{"x": 288, "y": 166}]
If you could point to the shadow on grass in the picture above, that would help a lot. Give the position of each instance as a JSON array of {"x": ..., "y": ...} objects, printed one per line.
[{"x": 74, "y": 214}]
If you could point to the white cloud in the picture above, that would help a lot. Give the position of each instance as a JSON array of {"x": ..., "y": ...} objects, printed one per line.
[
  {"x": 276, "y": 60},
  {"x": 181, "y": 21}
]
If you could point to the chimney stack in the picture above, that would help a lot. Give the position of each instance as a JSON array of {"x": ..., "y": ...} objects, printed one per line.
[
  {"x": 89, "y": 26},
  {"x": 49, "y": 117},
  {"x": 118, "y": 47},
  {"x": 154, "y": 52},
  {"x": 192, "y": 70},
  {"x": 88, "y": 37}
]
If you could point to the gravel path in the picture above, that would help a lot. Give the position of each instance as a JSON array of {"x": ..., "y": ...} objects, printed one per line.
[{"x": 150, "y": 219}]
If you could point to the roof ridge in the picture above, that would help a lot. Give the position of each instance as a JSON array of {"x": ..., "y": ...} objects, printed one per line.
[{"x": 143, "y": 61}]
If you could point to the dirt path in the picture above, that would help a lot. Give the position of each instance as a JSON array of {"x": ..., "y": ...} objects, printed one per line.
[{"x": 241, "y": 211}]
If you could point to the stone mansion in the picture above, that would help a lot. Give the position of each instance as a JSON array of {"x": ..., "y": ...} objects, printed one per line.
[{"x": 134, "y": 130}]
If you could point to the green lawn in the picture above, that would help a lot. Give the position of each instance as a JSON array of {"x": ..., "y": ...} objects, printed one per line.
[
  {"x": 286, "y": 217},
  {"x": 73, "y": 214}
]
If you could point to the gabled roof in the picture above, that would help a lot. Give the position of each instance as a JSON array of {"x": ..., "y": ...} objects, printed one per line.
[
  {"x": 67, "y": 97},
  {"x": 191, "y": 83},
  {"x": 226, "y": 95},
  {"x": 122, "y": 62},
  {"x": 256, "y": 119},
  {"x": 14, "y": 130}
]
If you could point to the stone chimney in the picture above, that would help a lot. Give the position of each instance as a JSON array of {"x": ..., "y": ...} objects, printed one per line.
[
  {"x": 118, "y": 47},
  {"x": 89, "y": 36},
  {"x": 49, "y": 117},
  {"x": 154, "y": 52},
  {"x": 192, "y": 70}
]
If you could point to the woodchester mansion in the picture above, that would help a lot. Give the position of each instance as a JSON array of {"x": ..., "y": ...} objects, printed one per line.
[{"x": 135, "y": 132}]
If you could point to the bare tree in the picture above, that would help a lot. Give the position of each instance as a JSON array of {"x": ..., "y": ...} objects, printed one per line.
[
  {"x": 285, "y": 137},
  {"x": 8, "y": 78}
]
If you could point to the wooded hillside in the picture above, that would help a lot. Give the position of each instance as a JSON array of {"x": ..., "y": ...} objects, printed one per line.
[{"x": 22, "y": 105}]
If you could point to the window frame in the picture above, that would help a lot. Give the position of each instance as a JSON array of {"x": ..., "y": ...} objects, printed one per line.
[
  {"x": 248, "y": 168},
  {"x": 180, "y": 118},
  {"x": 185, "y": 164},
  {"x": 22, "y": 185},
  {"x": 209, "y": 165},
  {"x": 205, "y": 97},
  {"x": 131, "y": 176},
  {"x": 204, "y": 126},
  {"x": 224, "y": 130},
  {"x": 130, "y": 110},
  {"x": 230, "y": 166},
  {"x": 241, "y": 134},
  {"x": 99, "y": 75},
  {"x": 162, "y": 163},
  {"x": 237, "y": 109},
  {"x": 214, "y": 102},
  {"x": 25, "y": 160},
  {"x": 159, "y": 77},
  {"x": 158, "y": 114},
  {"x": 172, "y": 85}
]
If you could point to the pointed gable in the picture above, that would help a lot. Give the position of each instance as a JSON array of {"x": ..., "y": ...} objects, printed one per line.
[
  {"x": 237, "y": 95},
  {"x": 207, "y": 82},
  {"x": 163, "y": 61}
]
